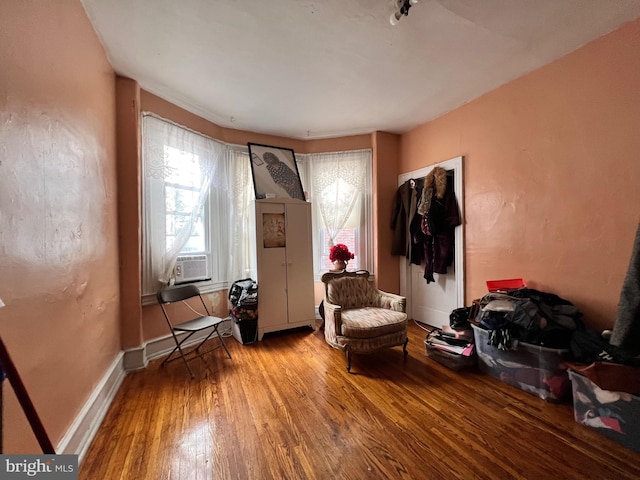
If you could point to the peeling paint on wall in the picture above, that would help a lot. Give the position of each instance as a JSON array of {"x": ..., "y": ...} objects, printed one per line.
[
  {"x": 218, "y": 301},
  {"x": 52, "y": 193}
]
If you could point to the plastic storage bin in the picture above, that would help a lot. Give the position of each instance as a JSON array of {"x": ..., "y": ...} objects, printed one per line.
[
  {"x": 534, "y": 369},
  {"x": 450, "y": 360},
  {"x": 615, "y": 415}
]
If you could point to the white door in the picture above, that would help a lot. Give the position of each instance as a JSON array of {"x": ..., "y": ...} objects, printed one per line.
[{"x": 432, "y": 303}]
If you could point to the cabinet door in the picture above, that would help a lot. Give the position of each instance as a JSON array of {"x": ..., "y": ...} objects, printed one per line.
[
  {"x": 272, "y": 267},
  {"x": 300, "y": 299}
]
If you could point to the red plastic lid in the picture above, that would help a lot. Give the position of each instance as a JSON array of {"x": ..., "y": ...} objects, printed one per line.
[{"x": 505, "y": 285}]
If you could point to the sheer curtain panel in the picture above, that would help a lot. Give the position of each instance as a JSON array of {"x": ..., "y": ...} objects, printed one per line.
[
  {"x": 340, "y": 193},
  {"x": 242, "y": 237},
  {"x": 173, "y": 157}
]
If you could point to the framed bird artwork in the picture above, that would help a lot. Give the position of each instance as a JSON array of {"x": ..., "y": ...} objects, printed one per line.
[{"x": 275, "y": 172}]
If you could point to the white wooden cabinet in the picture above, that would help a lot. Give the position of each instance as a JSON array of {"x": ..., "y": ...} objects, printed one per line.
[{"x": 285, "y": 265}]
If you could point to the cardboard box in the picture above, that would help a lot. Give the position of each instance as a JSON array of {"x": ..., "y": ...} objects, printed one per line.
[{"x": 534, "y": 369}]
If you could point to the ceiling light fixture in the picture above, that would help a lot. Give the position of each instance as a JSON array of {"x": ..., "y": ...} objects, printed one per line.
[{"x": 402, "y": 9}]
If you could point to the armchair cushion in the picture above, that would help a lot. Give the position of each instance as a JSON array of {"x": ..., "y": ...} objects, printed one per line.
[{"x": 371, "y": 322}]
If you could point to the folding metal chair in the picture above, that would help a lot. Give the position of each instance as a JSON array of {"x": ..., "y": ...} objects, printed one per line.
[{"x": 190, "y": 327}]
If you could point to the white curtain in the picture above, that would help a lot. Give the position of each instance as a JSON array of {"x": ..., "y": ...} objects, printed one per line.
[
  {"x": 167, "y": 149},
  {"x": 241, "y": 230},
  {"x": 337, "y": 182}
]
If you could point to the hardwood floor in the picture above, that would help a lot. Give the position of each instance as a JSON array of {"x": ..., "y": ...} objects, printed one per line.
[{"x": 285, "y": 408}]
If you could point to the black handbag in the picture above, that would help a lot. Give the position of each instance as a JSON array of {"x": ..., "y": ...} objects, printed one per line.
[
  {"x": 244, "y": 293},
  {"x": 459, "y": 318}
]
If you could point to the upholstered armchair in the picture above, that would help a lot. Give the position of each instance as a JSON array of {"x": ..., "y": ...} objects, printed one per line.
[{"x": 358, "y": 318}]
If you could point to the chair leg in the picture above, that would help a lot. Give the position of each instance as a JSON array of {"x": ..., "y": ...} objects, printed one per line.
[
  {"x": 404, "y": 347},
  {"x": 222, "y": 341},
  {"x": 184, "y": 354},
  {"x": 178, "y": 347},
  {"x": 348, "y": 354},
  {"x": 186, "y": 364},
  {"x": 184, "y": 359},
  {"x": 215, "y": 330}
]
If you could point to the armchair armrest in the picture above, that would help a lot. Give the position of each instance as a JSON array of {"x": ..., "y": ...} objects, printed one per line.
[
  {"x": 332, "y": 320},
  {"x": 392, "y": 301}
]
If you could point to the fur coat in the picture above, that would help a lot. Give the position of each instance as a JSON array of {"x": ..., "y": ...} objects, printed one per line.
[{"x": 441, "y": 217}]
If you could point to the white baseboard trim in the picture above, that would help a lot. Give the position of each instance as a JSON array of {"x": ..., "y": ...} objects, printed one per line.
[
  {"x": 85, "y": 426},
  {"x": 138, "y": 358},
  {"x": 135, "y": 359},
  {"x": 80, "y": 434}
]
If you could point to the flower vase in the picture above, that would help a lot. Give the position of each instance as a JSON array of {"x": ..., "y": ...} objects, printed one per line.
[{"x": 339, "y": 265}]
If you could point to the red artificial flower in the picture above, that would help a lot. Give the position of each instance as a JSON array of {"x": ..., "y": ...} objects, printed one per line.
[{"x": 340, "y": 252}]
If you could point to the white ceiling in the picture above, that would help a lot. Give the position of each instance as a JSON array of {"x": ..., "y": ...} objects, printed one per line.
[{"x": 326, "y": 68}]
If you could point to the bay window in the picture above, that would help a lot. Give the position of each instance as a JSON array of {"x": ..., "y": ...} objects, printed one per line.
[{"x": 198, "y": 208}]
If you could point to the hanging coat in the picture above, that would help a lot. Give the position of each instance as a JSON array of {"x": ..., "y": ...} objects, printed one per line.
[
  {"x": 626, "y": 329},
  {"x": 408, "y": 239},
  {"x": 439, "y": 224}
]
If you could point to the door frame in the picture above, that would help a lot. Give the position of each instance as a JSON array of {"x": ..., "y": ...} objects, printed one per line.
[{"x": 456, "y": 165}]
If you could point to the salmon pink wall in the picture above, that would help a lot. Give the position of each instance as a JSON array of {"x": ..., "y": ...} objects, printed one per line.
[
  {"x": 386, "y": 152},
  {"x": 129, "y": 209},
  {"x": 58, "y": 223},
  {"x": 551, "y": 172}
]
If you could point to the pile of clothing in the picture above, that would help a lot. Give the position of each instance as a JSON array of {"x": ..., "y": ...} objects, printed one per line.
[{"x": 530, "y": 316}]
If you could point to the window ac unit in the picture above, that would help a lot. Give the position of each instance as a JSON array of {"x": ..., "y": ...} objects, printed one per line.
[{"x": 192, "y": 268}]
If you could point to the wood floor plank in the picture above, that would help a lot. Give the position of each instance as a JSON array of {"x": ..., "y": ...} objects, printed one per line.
[{"x": 286, "y": 408}]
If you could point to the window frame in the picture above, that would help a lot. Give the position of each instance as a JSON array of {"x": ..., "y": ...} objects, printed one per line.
[
  {"x": 154, "y": 199},
  {"x": 364, "y": 233}
]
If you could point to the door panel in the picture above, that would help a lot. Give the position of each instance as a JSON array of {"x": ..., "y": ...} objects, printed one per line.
[
  {"x": 432, "y": 303},
  {"x": 272, "y": 273}
]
